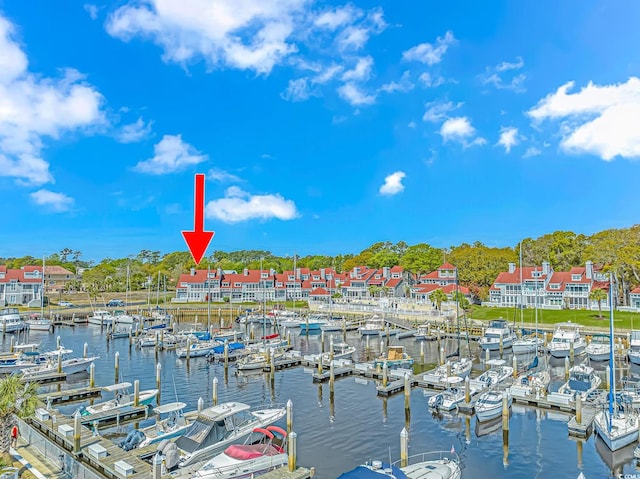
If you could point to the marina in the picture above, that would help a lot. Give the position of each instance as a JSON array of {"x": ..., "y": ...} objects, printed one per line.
[{"x": 337, "y": 388}]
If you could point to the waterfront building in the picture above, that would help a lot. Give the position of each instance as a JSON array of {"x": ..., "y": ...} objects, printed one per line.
[
  {"x": 524, "y": 287},
  {"x": 20, "y": 286},
  {"x": 634, "y": 298}
]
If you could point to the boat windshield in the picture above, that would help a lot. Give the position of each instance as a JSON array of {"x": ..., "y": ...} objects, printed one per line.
[
  {"x": 203, "y": 433},
  {"x": 580, "y": 381},
  {"x": 498, "y": 324}
]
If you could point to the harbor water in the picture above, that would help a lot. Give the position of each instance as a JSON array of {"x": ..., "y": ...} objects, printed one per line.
[{"x": 338, "y": 431}]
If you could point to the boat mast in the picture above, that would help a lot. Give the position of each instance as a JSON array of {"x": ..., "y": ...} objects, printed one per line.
[
  {"x": 458, "y": 309},
  {"x": 536, "y": 309},
  {"x": 612, "y": 369},
  {"x": 521, "y": 291},
  {"x": 264, "y": 304},
  {"x": 208, "y": 298},
  {"x": 42, "y": 292}
]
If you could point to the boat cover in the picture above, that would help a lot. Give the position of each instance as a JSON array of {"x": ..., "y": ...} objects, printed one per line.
[{"x": 363, "y": 472}]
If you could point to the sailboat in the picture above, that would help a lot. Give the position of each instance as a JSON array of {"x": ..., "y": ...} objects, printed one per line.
[
  {"x": 531, "y": 343},
  {"x": 617, "y": 427}
]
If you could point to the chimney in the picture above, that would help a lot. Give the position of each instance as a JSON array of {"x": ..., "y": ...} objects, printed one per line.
[
  {"x": 589, "y": 269},
  {"x": 193, "y": 271},
  {"x": 245, "y": 272},
  {"x": 219, "y": 272},
  {"x": 385, "y": 272},
  {"x": 545, "y": 267},
  {"x": 512, "y": 267},
  {"x": 322, "y": 274},
  {"x": 297, "y": 273}
]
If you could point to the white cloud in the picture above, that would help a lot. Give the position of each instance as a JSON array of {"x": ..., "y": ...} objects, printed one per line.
[
  {"x": 171, "y": 155},
  {"x": 134, "y": 132},
  {"x": 438, "y": 110},
  {"x": 430, "y": 53},
  {"x": 297, "y": 90},
  {"x": 531, "y": 152},
  {"x": 216, "y": 174},
  {"x": 327, "y": 74},
  {"x": 354, "y": 37},
  {"x": 238, "y": 205},
  {"x": 92, "y": 10},
  {"x": 334, "y": 18},
  {"x": 508, "y": 138},
  {"x": 57, "y": 202},
  {"x": 503, "y": 76},
  {"x": 600, "y": 120},
  {"x": 355, "y": 95},
  {"x": 405, "y": 84},
  {"x": 429, "y": 81},
  {"x": 33, "y": 107},
  {"x": 412, "y": 124},
  {"x": 360, "y": 72},
  {"x": 459, "y": 129},
  {"x": 393, "y": 184}
]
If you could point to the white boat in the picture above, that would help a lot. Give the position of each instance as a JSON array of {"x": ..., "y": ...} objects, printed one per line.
[
  {"x": 489, "y": 405},
  {"x": 257, "y": 361},
  {"x": 582, "y": 380},
  {"x": 101, "y": 318},
  {"x": 121, "y": 317},
  {"x": 424, "y": 333},
  {"x": 498, "y": 332},
  {"x": 634, "y": 347},
  {"x": 263, "y": 451},
  {"x": 38, "y": 323},
  {"x": 10, "y": 321},
  {"x": 290, "y": 322},
  {"x": 428, "y": 465},
  {"x": 460, "y": 368},
  {"x": 170, "y": 423},
  {"x": 533, "y": 382},
  {"x": 493, "y": 376},
  {"x": 565, "y": 337},
  {"x": 340, "y": 351},
  {"x": 334, "y": 324},
  {"x": 449, "y": 399},
  {"x": 219, "y": 426},
  {"x": 198, "y": 349},
  {"x": 312, "y": 322},
  {"x": 617, "y": 426},
  {"x": 527, "y": 344},
  {"x": 598, "y": 349},
  {"x": 373, "y": 327},
  {"x": 122, "y": 399}
]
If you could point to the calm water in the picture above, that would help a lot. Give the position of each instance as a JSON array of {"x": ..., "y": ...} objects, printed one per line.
[{"x": 336, "y": 434}]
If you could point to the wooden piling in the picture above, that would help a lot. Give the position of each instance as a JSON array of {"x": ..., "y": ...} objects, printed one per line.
[
  {"x": 322, "y": 342},
  {"x": 467, "y": 390},
  {"x": 289, "y": 416},
  {"x": 77, "y": 432},
  {"x": 85, "y": 351},
  {"x": 501, "y": 347},
  {"x": 59, "y": 362},
  {"x": 579, "y": 409},
  {"x": 116, "y": 367},
  {"x": 571, "y": 353},
  {"x": 331, "y": 348},
  {"x": 200, "y": 404},
  {"x": 226, "y": 353},
  {"x": 407, "y": 392},
  {"x": 566, "y": 367},
  {"x": 514, "y": 364},
  {"x": 422, "y": 352},
  {"x": 332, "y": 377},
  {"x": 292, "y": 448},
  {"x": 404, "y": 447},
  {"x": 505, "y": 412},
  {"x": 12, "y": 345},
  {"x": 441, "y": 362},
  {"x": 188, "y": 349},
  {"x": 92, "y": 375},
  {"x": 158, "y": 382},
  {"x": 385, "y": 372},
  {"x": 215, "y": 391},
  {"x": 136, "y": 393}
]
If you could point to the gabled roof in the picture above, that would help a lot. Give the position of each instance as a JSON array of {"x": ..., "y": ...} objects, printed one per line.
[
  {"x": 393, "y": 282},
  {"x": 636, "y": 290},
  {"x": 452, "y": 288},
  {"x": 56, "y": 269},
  {"x": 514, "y": 278},
  {"x": 319, "y": 292},
  {"x": 446, "y": 266}
]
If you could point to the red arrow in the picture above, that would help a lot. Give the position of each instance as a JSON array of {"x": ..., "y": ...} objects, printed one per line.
[{"x": 198, "y": 240}]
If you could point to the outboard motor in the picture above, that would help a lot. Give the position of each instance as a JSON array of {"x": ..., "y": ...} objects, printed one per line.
[
  {"x": 171, "y": 456},
  {"x": 133, "y": 439},
  {"x": 435, "y": 401}
]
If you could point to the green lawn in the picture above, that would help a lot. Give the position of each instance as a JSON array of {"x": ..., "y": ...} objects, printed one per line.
[{"x": 622, "y": 320}]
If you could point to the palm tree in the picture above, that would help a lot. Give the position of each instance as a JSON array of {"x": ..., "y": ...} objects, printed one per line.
[
  {"x": 598, "y": 295},
  {"x": 438, "y": 297},
  {"x": 17, "y": 400}
]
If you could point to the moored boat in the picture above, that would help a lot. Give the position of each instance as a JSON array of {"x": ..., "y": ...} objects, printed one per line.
[
  {"x": 428, "y": 465},
  {"x": 490, "y": 404},
  {"x": 498, "y": 334},
  {"x": 566, "y": 337},
  {"x": 122, "y": 399}
]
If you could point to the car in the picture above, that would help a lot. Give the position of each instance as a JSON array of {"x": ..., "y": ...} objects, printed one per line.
[
  {"x": 66, "y": 304},
  {"x": 115, "y": 302}
]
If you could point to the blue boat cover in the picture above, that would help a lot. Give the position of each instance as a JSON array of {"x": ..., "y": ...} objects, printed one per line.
[
  {"x": 363, "y": 472},
  {"x": 232, "y": 347}
]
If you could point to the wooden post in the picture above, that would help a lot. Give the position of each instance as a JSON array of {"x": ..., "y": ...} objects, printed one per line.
[
  {"x": 215, "y": 391},
  {"x": 607, "y": 375},
  {"x": 12, "y": 346},
  {"x": 77, "y": 425},
  {"x": 320, "y": 364},
  {"x": 158, "y": 382},
  {"x": 487, "y": 358},
  {"x": 200, "y": 404},
  {"x": 441, "y": 357},
  {"x": 226, "y": 354},
  {"x": 59, "y": 362},
  {"x": 322, "y": 342},
  {"x": 331, "y": 377},
  {"x": 579, "y": 408},
  {"x": 571, "y": 353},
  {"x": 448, "y": 368},
  {"x": 188, "y": 348},
  {"x": 385, "y": 371},
  {"x": 292, "y": 450},
  {"x": 505, "y": 412},
  {"x": 331, "y": 348},
  {"x": 116, "y": 367},
  {"x": 407, "y": 392},
  {"x": 92, "y": 375},
  {"x": 514, "y": 364},
  {"x": 388, "y": 335},
  {"x": 58, "y": 343},
  {"x": 566, "y": 367},
  {"x": 157, "y": 342},
  {"x": 272, "y": 362},
  {"x": 501, "y": 347},
  {"x": 136, "y": 393},
  {"x": 85, "y": 351},
  {"x": 467, "y": 390},
  {"x": 252, "y": 333},
  {"x": 422, "y": 352},
  {"x": 156, "y": 466},
  {"x": 289, "y": 416},
  {"x": 404, "y": 447}
]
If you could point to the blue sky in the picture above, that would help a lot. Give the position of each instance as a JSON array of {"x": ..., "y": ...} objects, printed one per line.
[{"x": 322, "y": 127}]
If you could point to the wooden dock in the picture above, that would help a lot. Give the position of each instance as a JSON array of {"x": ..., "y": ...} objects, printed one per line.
[
  {"x": 118, "y": 416},
  {"x": 70, "y": 395},
  {"x": 53, "y": 377},
  {"x": 583, "y": 428},
  {"x": 283, "y": 473}
]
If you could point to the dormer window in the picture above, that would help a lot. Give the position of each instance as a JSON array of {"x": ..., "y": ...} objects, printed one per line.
[{"x": 575, "y": 277}]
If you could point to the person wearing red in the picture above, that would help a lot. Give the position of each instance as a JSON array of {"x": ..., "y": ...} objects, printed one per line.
[{"x": 14, "y": 436}]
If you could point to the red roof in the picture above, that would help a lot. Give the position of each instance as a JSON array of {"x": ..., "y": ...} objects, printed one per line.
[
  {"x": 393, "y": 282},
  {"x": 446, "y": 266},
  {"x": 636, "y": 290},
  {"x": 426, "y": 288},
  {"x": 452, "y": 288},
  {"x": 397, "y": 269},
  {"x": 319, "y": 292},
  {"x": 605, "y": 285},
  {"x": 514, "y": 278}
]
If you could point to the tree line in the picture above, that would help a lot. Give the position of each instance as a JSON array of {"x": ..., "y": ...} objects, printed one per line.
[{"x": 616, "y": 250}]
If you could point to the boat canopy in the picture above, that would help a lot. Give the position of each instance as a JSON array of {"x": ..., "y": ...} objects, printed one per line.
[
  {"x": 496, "y": 362},
  {"x": 171, "y": 407},
  {"x": 202, "y": 433},
  {"x": 117, "y": 387},
  {"x": 224, "y": 410},
  {"x": 363, "y": 472}
]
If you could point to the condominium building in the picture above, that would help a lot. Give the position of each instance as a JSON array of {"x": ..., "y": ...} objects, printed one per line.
[{"x": 20, "y": 286}]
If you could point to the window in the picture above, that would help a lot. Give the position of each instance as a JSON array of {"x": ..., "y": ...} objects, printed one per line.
[{"x": 575, "y": 277}]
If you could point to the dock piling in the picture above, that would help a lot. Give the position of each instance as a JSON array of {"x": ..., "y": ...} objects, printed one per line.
[
  {"x": 320, "y": 364},
  {"x": 487, "y": 357},
  {"x": 292, "y": 451},
  {"x": 59, "y": 361},
  {"x": 85, "y": 351},
  {"x": 272, "y": 362},
  {"x": 200, "y": 404},
  {"x": 404, "y": 447},
  {"x": 579, "y": 409},
  {"x": 571, "y": 353},
  {"x": 331, "y": 348},
  {"x": 322, "y": 342},
  {"x": 215, "y": 391},
  {"x": 289, "y": 416},
  {"x": 505, "y": 412},
  {"x": 332, "y": 377},
  {"x": 441, "y": 363},
  {"x": 501, "y": 347},
  {"x": 116, "y": 367},
  {"x": 226, "y": 354},
  {"x": 76, "y": 432},
  {"x": 92, "y": 375},
  {"x": 158, "y": 381},
  {"x": 467, "y": 390},
  {"x": 188, "y": 348},
  {"x": 136, "y": 393},
  {"x": 12, "y": 346},
  {"x": 448, "y": 368},
  {"x": 385, "y": 372},
  {"x": 514, "y": 364},
  {"x": 58, "y": 342},
  {"x": 156, "y": 466},
  {"x": 566, "y": 367},
  {"x": 607, "y": 376},
  {"x": 422, "y": 352},
  {"x": 407, "y": 392}
]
